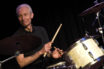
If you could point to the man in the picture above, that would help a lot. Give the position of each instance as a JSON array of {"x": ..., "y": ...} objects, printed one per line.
[{"x": 25, "y": 16}]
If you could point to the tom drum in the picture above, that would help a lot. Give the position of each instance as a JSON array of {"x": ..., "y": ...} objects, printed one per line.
[{"x": 84, "y": 52}]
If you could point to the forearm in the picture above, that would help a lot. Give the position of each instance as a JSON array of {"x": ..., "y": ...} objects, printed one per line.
[{"x": 24, "y": 61}]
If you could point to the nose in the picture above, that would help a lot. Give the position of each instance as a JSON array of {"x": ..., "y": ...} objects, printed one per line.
[{"x": 23, "y": 17}]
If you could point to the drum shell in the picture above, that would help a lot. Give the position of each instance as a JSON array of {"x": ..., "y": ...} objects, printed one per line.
[{"x": 84, "y": 52}]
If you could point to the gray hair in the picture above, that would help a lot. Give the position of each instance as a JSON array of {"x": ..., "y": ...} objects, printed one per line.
[{"x": 24, "y": 5}]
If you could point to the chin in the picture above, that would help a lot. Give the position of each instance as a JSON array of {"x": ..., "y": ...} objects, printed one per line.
[{"x": 25, "y": 25}]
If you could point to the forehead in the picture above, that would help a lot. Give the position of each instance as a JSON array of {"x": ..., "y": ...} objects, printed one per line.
[{"x": 23, "y": 9}]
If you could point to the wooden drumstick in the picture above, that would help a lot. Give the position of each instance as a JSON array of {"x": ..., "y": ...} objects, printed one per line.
[
  {"x": 56, "y": 33},
  {"x": 54, "y": 37}
]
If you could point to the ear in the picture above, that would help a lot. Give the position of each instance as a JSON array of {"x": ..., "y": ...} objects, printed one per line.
[{"x": 32, "y": 15}]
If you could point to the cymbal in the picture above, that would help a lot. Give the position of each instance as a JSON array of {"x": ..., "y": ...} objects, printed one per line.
[
  {"x": 94, "y": 9},
  {"x": 23, "y": 43}
]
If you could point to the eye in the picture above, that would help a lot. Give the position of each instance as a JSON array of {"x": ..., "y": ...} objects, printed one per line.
[
  {"x": 25, "y": 14},
  {"x": 19, "y": 16}
]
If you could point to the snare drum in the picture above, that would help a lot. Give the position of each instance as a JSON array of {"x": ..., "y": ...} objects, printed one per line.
[{"x": 84, "y": 52}]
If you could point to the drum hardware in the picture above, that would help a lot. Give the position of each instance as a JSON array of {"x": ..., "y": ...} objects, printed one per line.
[
  {"x": 85, "y": 47},
  {"x": 59, "y": 65},
  {"x": 1, "y": 62},
  {"x": 100, "y": 29},
  {"x": 96, "y": 42},
  {"x": 91, "y": 55},
  {"x": 89, "y": 51},
  {"x": 95, "y": 9}
]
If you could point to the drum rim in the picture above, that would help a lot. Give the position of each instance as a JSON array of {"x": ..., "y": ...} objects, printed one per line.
[
  {"x": 76, "y": 41},
  {"x": 57, "y": 64},
  {"x": 90, "y": 65}
]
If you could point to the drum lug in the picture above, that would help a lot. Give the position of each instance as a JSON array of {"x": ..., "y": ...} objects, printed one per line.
[
  {"x": 85, "y": 47},
  {"x": 96, "y": 42},
  {"x": 91, "y": 55}
]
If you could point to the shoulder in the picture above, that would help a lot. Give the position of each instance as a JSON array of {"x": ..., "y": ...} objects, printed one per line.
[{"x": 39, "y": 28}]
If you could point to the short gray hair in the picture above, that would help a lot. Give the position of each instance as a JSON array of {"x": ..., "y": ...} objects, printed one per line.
[{"x": 24, "y": 5}]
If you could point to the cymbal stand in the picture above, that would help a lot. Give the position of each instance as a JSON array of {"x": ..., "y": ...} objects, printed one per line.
[
  {"x": 100, "y": 29},
  {"x": 86, "y": 33},
  {"x": 1, "y": 62},
  {"x": 6, "y": 61}
]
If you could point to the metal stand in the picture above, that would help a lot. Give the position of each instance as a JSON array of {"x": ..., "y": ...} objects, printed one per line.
[
  {"x": 100, "y": 29},
  {"x": 1, "y": 62}
]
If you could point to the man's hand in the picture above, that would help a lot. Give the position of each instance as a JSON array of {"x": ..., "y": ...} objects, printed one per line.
[
  {"x": 46, "y": 48},
  {"x": 57, "y": 53}
]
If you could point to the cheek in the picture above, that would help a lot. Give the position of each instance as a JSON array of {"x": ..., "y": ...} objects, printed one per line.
[{"x": 20, "y": 19}]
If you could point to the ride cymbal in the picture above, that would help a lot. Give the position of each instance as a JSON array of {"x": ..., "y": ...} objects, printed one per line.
[
  {"x": 94, "y": 9},
  {"x": 24, "y": 43}
]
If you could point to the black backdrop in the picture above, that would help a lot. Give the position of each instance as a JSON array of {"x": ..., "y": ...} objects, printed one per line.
[{"x": 49, "y": 15}]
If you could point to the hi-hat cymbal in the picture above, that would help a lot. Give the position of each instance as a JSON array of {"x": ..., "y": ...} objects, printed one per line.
[
  {"x": 24, "y": 43},
  {"x": 94, "y": 9}
]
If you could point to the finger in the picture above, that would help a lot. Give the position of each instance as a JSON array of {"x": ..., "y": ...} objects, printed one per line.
[
  {"x": 50, "y": 42},
  {"x": 54, "y": 47},
  {"x": 62, "y": 53}
]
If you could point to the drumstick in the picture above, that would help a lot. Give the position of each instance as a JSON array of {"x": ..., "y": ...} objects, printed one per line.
[
  {"x": 54, "y": 37},
  {"x": 56, "y": 33}
]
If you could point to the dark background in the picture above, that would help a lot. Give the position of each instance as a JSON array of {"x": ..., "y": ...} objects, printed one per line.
[{"x": 50, "y": 14}]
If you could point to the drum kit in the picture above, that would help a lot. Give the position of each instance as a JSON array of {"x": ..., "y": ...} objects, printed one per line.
[{"x": 85, "y": 53}]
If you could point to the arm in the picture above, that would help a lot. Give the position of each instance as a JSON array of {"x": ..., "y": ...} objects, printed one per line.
[{"x": 24, "y": 61}]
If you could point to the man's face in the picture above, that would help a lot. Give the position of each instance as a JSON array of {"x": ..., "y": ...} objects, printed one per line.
[{"x": 24, "y": 16}]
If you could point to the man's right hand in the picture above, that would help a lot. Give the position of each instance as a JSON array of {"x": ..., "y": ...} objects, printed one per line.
[{"x": 46, "y": 48}]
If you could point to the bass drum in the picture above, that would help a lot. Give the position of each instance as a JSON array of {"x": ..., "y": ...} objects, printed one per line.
[{"x": 84, "y": 52}]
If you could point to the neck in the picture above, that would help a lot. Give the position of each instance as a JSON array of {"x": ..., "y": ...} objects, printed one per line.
[{"x": 28, "y": 28}]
